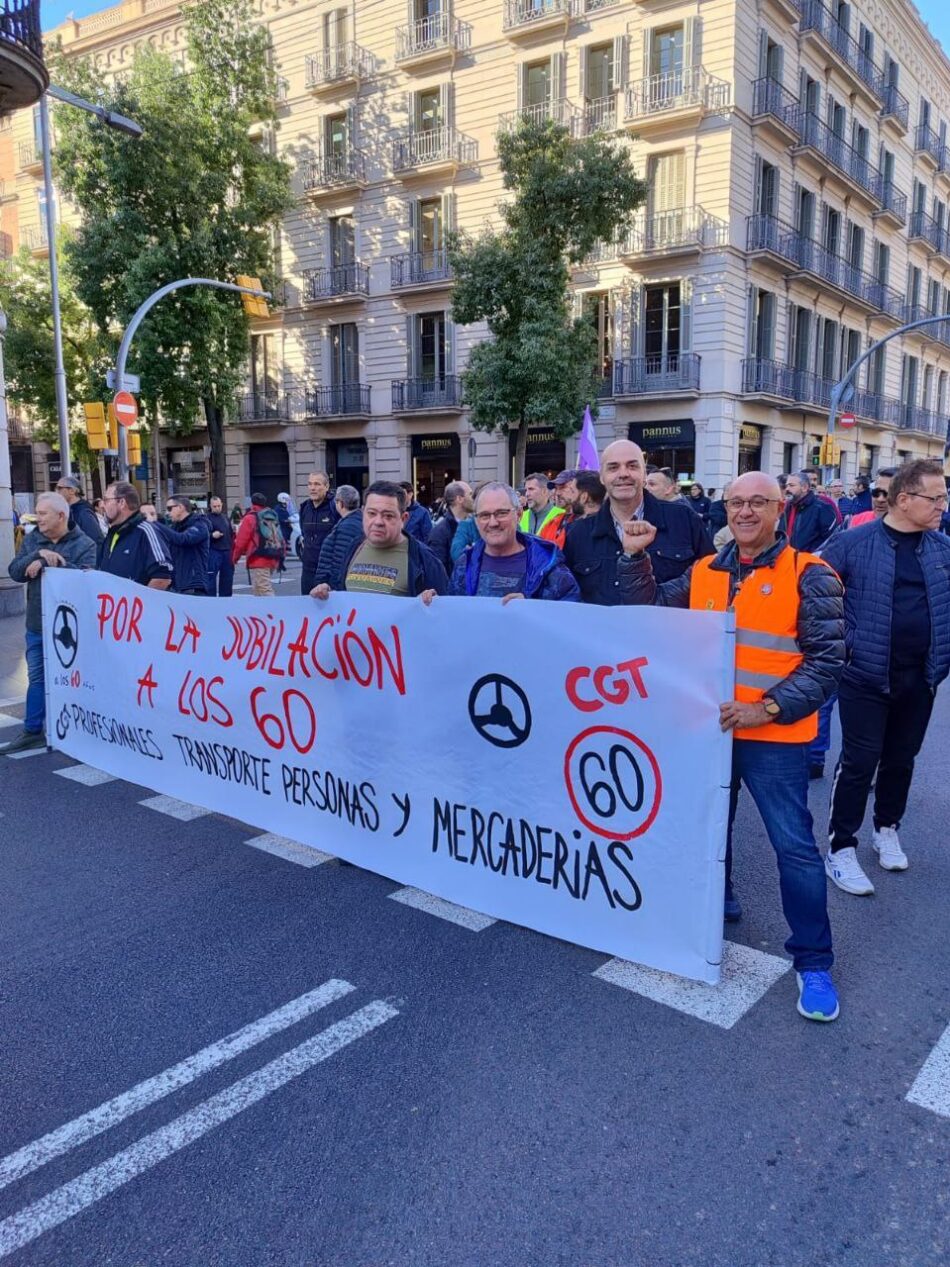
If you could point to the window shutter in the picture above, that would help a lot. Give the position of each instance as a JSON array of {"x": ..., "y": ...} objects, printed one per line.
[
  {"x": 448, "y": 213},
  {"x": 519, "y": 101},
  {"x": 352, "y": 139},
  {"x": 634, "y": 308},
  {"x": 750, "y": 320},
  {"x": 558, "y": 90},
  {"x": 415, "y": 243},
  {"x": 449, "y": 328},
  {"x": 577, "y": 304},
  {"x": 410, "y": 346},
  {"x": 693, "y": 42},
  {"x": 326, "y": 356},
  {"x": 686, "y": 315},
  {"x": 647, "y": 51},
  {"x": 763, "y": 54},
  {"x": 582, "y": 76},
  {"x": 620, "y": 62},
  {"x": 767, "y": 341},
  {"x": 447, "y": 105},
  {"x": 758, "y": 187},
  {"x": 615, "y": 300}
]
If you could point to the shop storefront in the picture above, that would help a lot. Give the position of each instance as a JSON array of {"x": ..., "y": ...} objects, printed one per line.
[
  {"x": 671, "y": 444},
  {"x": 750, "y": 448},
  {"x": 348, "y": 463},
  {"x": 436, "y": 461},
  {"x": 545, "y": 454}
]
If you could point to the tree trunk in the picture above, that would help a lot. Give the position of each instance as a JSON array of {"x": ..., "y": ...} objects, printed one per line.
[
  {"x": 215, "y": 418},
  {"x": 521, "y": 449}
]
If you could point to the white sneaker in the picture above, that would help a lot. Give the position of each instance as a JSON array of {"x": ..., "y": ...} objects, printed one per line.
[
  {"x": 888, "y": 849},
  {"x": 844, "y": 870}
]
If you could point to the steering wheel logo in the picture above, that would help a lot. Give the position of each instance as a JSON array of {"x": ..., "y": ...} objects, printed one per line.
[
  {"x": 499, "y": 711},
  {"x": 65, "y": 634}
]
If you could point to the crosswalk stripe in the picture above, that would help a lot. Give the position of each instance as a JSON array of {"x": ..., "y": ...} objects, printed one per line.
[
  {"x": 102, "y": 1118},
  {"x": 12, "y": 701},
  {"x": 88, "y": 775},
  {"x": 289, "y": 850},
  {"x": 63, "y": 1203},
  {"x": 22, "y": 756},
  {"x": 746, "y": 976},
  {"x": 7, "y": 720},
  {"x": 474, "y": 921},
  {"x": 931, "y": 1087},
  {"x": 181, "y": 810}
]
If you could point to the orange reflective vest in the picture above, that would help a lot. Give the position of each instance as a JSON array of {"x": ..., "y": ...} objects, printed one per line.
[
  {"x": 549, "y": 525},
  {"x": 767, "y": 650}
]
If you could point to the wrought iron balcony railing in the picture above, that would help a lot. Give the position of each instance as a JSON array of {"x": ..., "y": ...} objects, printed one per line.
[
  {"x": 815, "y": 17},
  {"x": 420, "y": 268},
  {"x": 766, "y": 377},
  {"x": 894, "y": 201},
  {"x": 35, "y": 237},
  {"x": 926, "y": 228},
  {"x": 600, "y": 115},
  {"x": 816, "y": 134},
  {"x": 339, "y": 62},
  {"x": 410, "y": 394},
  {"x": 667, "y": 372},
  {"x": 916, "y": 418},
  {"x": 336, "y": 282},
  {"x": 433, "y": 34},
  {"x": 896, "y": 105},
  {"x": 692, "y": 87},
  {"x": 345, "y": 166},
  {"x": 264, "y": 407},
  {"x": 21, "y": 47},
  {"x": 673, "y": 230},
  {"x": 524, "y": 13},
  {"x": 926, "y": 141},
  {"x": 769, "y": 97},
  {"x": 561, "y": 112},
  {"x": 421, "y": 146},
  {"x": 341, "y": 400}
]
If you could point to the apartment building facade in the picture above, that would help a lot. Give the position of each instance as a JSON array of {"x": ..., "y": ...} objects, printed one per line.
[{"x": 799, "y": 210}]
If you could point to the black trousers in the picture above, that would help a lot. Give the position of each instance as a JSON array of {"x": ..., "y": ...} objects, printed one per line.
[
  {"x": 880, "y": 734},
  {"x": 308, "y": 578}
]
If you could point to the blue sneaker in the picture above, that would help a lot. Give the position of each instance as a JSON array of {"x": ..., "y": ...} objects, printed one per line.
[
  {"x": 817, "y": 999},
  {"x": 731, "y": 908}
]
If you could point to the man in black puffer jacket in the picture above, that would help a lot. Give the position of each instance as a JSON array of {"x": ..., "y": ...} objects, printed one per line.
[
  {"x": 188, "y": 539},
  {"x": 789, "y": 610},
  {"x": 348, "y": 530}
]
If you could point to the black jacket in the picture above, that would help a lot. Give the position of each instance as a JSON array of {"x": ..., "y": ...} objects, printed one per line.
[
  {"x": 76, "y": 551},
  {"x": 425, "y": 570},
  {"x": 820, "y": 620},
  {"x": 83, "y": 517},
  {"x": 222, "y": 524},
  {"x": 188, "y": 545},
  {"x": 812, "y": 524},
  {"x": 338, "y": 547},
  {"x": 419, "y": 523},
  {"x": 137, "y": 551},
  {"x": 316, "y": 524},
  {"x": 592, "y": 548},
  {"x": 440, "y": 540}
]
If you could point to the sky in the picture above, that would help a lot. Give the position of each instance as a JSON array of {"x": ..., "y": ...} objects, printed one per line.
[{"x": 936, "y": 13}]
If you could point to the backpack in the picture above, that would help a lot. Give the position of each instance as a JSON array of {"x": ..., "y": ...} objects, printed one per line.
[{"x": 270, "y": 539}]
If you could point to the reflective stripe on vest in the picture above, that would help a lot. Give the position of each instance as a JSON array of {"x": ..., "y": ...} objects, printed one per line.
[
  {"x": 554, "y": 512},
  {"x": 767, "y": 649}
]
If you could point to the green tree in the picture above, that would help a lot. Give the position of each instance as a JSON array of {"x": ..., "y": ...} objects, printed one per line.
[
  {"x": 195, "y": 196},
  {"x": 26, "y": 299},
  {"x": 539, "y": 364}
]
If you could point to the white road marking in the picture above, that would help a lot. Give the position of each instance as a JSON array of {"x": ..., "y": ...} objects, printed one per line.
[
  {"x": 22, "y": 756},
  {"x": 746, "y": 975},
  {"x": 12, "y": 701},
  {"x": 290, "y": 850},
  {"x": 181, "y": 810},
  {"x": 931, "y": 1087},
  {"x": 102, "y": 1118},
  {"x": 474, "y": 921},
  {"x": 7, "y": 720},
  {"x": 88, "y": 775},
  {"x": 65, "y": 1202}
]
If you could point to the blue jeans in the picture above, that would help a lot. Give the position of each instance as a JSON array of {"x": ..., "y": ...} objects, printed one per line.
[
  {"x": 220, "y": 574},
  {"x": 818, "y": 749},
  {"x": 35, "y": 714},
  {"x": 776, "y": 775}
]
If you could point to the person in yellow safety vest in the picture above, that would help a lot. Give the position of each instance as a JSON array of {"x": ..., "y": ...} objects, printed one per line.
[
  {"x": 790, "y": 652},
  {"x": 542, "y": 513}
]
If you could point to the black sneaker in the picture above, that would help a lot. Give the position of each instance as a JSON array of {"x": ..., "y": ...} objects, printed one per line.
[{"x": 24, "y": 741}]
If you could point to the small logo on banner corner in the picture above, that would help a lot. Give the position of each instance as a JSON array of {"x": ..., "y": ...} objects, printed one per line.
[
  {"x": 66, "y": 634},
  {"x": 62, "y": 723}
]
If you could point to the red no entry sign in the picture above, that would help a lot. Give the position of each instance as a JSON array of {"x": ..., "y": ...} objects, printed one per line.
[
  {"x": 847, "y": 420},
  {"x": 126, "y": 408}
]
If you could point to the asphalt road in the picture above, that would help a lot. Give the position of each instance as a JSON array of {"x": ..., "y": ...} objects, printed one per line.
[{"x": 398, "y": 1089}]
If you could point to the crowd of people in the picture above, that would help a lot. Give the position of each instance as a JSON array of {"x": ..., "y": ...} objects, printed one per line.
[{"x": 838, "y": 601}]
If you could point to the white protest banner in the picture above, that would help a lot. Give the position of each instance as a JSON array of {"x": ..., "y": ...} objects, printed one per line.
[{"x": 558, "y": 766}]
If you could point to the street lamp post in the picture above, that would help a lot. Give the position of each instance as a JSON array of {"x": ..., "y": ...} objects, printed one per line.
[{"x": 12, "y": 596}]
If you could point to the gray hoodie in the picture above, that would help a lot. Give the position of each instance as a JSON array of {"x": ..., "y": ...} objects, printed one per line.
[{"x": 76, "y": 550}]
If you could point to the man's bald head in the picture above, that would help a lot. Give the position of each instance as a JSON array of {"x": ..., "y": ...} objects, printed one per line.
[
  {"x": 622, "y": 472},
  {"x": 754, "y": 520},
  {"x": 756, "y": 484}
]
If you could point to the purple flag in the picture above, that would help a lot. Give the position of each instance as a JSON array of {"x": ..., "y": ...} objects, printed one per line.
[{"x": 587, "y": 459}]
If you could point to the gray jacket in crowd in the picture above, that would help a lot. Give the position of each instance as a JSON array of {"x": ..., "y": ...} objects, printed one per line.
[{"x": 76, "y": 550}]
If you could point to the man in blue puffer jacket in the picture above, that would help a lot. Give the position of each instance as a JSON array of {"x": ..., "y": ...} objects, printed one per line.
[
  {"x": 506, "y": 563},
  {"x": 896, "y": 574}
]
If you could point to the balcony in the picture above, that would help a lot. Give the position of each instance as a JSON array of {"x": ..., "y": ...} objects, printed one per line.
[
  {"x": 767, "y": 234},
  {"x": 559, "y": 112},
  {"x": 427, "y": 395},
  {"x": 790, "y": 10},
  {"x": 861, "y": 175},
  {"x": 670, "y": 374},
  {"x": 343, "y": 281},
  {"x": 334, "y": 172},
  {"x": 346, "y": 400},
  {"x": 773, "y": 109},
  {"x": 30, "y": 156},
  {"x": 852, "y": 58},
  {"x": 791, "y": 388},
  {"x": 530, "y": 17},
  {"x": 928, "y": 421},
  {"x": 23, "y": 77},
  {"x": 927, "y": 146},
  {"x": 263, "y": 408},
  {"x": 437, "y": 38},
  {"x": 896, "y": 109},
  {"x": 940, "y": 331},
  {"x": 35, "y": 239},
  {"x": 677, "y": 99},
  {"x": 7, "y": 190},
  {"x": 893, "y": 209},
  {"x": 924, "y": 229},
  {"x": 420, "y": 270},
  {"x": 685, "y": 231},
  {"x": 340, "y": 66},
  {"x": 431, "y": 150},
  {"x": 600, "y": 115}
]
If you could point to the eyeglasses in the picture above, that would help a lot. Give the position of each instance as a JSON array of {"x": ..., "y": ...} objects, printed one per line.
[
  {"x": 941, "y": 500},
  {"x": 878, "y": 492},
  {"x": 736, "y": 504},
  {"x": 486, "y": 516}
]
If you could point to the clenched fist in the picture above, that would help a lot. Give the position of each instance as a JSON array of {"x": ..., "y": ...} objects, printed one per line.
[{"x": 637, "y": 535}]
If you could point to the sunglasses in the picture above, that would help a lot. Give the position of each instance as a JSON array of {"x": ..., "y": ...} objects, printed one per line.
[{"x": 878, "y": 492}]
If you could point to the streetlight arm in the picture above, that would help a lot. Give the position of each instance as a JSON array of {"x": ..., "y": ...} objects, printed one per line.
[{"x": 109, "y": 117}]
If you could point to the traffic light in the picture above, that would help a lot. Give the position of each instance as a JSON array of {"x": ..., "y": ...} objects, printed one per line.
[
  {"x": 253, "y": 305},
  {"x": 135, "y": 447},
  {"x": 815, "y": 454},
  {"x": 830, "y": 451},
  {"x": 96, "y": 424},
  {"x": 113, "y": 429}
]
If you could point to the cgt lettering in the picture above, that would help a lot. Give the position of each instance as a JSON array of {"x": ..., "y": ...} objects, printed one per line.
[
  {"x": 590, "y": 689},
  {"x": 121, "y": 618}
]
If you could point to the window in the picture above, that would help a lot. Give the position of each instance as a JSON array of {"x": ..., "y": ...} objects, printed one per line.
[
  {"x": 337, "y": 134},
  {"x": 914, "y": 278},
  {"x": 762, "y": 331},
  {"x": 919, "y": 197},
  {"x": 342, "y": 241},
  {"x": 805, "y": 213},
  {"x": 428, "y": 110},
  {"x": 860, "y": 140},
  {"x": 866, "y": 41},
  {"x": 877, "y": 365},
  {"x": 599, "y": 81},
  {"x": 850, "y": 348},
  {"x": 882, "y": 262},
  {"x": 828, "y": 351},
  {"x": 926, "y": 387},
  {"x": 810, "y": 94},
  {"x": 431, "y": 345},
  {"x": 841, "y": 11},
  {"x": 662, "y": 327},
  {"x": 667, "y": 46},
  {"x": 856, "y": 246},
  {"x": 892, "y": 71},
  {"x": 831, "y": 236},
  {"x": 766, "y": 196},
  {"x": 666, "y": 174},
  {"x": 933, "y": 298},
  {"x": 344, "y": 354},
  {"x": 537, "y": 83},
  {"x": 887, "y": 166},
  {"x": 431, "y": 234},
  {"x": 264, "y": 369},
  {"x": 771, "y": 58},
  {"x": 597, "y": 309},
  {"x": 942, "y": 393},
  {"x": 924, "y": 115},
  {"x": 334, "y": 29},
  {"x": 800, "y": 337},
  {"x": 909, "y": 369},
  {"x": 837, "y": 118}
]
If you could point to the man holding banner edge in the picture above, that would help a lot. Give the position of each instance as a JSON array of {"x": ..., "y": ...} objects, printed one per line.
[{"x": 789, "y": 655}]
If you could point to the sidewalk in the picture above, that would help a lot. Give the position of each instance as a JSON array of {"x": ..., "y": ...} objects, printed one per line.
[{"x": 12, "y": 662}]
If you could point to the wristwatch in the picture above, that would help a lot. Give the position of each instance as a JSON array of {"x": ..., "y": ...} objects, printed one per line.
[{"x": 771, "y": 707}]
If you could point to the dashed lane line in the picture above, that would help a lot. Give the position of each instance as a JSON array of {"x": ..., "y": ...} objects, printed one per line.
[
  {"x": 289, "y": 850},
  {"x": 87, "y": 775},
  {"x": 181, "y": 810},
  {"x": 746, "y": 976},
  {"x": 13, "y": 701},
  {"x": 63, "y": 1203},
  {"x": 931, "y": 1087},
  {"x": 474, "y": 921},
  {"x": 102, "y": 1118}
]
